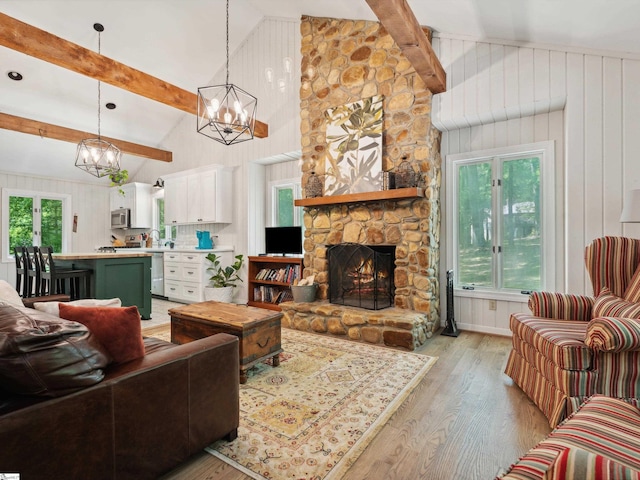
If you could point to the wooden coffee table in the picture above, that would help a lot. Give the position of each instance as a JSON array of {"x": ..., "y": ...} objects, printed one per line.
[{"x": 257, "y": 329}]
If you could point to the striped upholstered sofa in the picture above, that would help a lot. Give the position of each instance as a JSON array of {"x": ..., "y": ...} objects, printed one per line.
[
  {"x": 600, "y": 441},
  {"x": 573, "y": 346}
]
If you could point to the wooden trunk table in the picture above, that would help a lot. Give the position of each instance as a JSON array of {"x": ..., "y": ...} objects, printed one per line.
[{"x": 257, "y": 329}]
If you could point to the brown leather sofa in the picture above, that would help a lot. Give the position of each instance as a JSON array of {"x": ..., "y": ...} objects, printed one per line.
[{"x": 142, "y": 420}]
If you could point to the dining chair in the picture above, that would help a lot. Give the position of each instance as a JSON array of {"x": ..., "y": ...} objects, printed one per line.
[
  {"x": 53, "y": 278},
  {"x": 32, "y": 267},
  {"x": 21, "y": 272}
]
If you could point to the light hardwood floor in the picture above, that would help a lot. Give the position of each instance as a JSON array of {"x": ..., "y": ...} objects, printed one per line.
[{"x": 465, "y": 421}]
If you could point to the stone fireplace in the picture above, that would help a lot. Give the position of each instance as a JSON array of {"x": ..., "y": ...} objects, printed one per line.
[{"x": 344, "y": 61}]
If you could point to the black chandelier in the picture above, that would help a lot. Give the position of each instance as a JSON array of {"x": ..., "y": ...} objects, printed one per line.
[
  {"x": 226, "y": 113},
  {"x": 95, "y": 155}
]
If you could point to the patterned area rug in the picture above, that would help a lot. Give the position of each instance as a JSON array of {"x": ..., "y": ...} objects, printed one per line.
[
  {"x": 163, "y": 332},
  {"x": 311, "y": 417}
]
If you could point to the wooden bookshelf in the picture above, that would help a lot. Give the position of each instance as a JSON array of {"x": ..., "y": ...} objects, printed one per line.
[{"x": 267, "y": 292}]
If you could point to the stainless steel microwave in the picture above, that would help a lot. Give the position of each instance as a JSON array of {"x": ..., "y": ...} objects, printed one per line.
[{"x": 121, "y": 218}]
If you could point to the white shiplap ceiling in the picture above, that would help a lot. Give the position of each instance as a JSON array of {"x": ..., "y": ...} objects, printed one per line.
[{"x": 182, "y": 42}]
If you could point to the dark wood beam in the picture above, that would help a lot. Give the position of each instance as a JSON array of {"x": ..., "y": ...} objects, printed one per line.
[
  {"x": 43, "y": 45},
  {"x": 34, "y": 127},
  {"x": 398, "y": 18}
]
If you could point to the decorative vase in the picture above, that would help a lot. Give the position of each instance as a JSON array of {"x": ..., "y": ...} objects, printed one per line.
[
  {"x": 405, "y": 177},
  {"x": 218, "y": 294},
  {"x": 314, "y": 186}
]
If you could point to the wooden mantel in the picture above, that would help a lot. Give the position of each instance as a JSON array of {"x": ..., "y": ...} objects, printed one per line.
[{"x": 397, "y": 194}]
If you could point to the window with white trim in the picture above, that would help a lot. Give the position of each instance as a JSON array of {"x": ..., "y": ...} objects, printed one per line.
[
  {"x": 501, "y": 218},
  {"x": 283, "y": 211},
  {"x": 35, "y": 218}
]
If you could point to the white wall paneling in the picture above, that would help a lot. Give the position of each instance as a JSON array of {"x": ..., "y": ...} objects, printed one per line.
[
  {"x": 630, "y": 137},
  {"x": 587, "y": 103}
]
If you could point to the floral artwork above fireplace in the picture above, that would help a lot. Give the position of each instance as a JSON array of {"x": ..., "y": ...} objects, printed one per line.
[{"x": 354, "y": 155}]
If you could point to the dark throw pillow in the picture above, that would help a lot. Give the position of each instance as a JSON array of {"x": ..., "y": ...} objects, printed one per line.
[
  {"x": 117, "y": 329},
  {"x": 44, "y": 355}
]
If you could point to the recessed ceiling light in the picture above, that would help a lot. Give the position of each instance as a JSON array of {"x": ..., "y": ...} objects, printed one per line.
[
  {"x": 14, "y": 76},
  {"x": 110, "y": 106}
]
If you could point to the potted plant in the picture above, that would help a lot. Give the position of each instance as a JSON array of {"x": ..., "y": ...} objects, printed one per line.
[
  {"x": 223, "y": 279},
  {"x": 118, "y": 178}
]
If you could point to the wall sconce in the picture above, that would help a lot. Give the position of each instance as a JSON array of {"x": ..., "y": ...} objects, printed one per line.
[
  {"x": 631, "y": 207},
  {"x": 159, "y": 183}
]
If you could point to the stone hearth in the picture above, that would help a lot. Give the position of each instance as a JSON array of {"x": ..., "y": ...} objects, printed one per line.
[{"x": 393, "y": 327}]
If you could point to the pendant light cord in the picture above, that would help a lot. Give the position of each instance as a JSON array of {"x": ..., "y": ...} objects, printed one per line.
[
  {"x": 227, "y": 42},
  {"x": 99, "y": 90}
]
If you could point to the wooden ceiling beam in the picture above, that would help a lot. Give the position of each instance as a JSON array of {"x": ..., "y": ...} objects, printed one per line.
[
  {"x": 32, "y": 41},
  {"x": 401, "y": 23},
  {"x": 42, "y": 129}
]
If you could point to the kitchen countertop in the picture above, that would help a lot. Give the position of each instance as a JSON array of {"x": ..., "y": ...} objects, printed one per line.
[
  {"x": 99, "y": 255},
  {"x": 221, "y": 248}
]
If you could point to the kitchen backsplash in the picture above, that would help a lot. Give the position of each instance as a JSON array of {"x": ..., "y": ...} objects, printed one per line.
[{"x": 185, "y": 234}]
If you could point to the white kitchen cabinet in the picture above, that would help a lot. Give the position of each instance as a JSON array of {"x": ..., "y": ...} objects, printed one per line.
[
  {"x": 136, "y": 198},
  {"x": 199, "y": 196},
  {"x": 175, "y": 200},
  {"x": 185, "y": 274}
]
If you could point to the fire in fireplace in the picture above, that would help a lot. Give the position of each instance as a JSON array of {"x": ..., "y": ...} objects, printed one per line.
[{"x": 361, "y": 275}]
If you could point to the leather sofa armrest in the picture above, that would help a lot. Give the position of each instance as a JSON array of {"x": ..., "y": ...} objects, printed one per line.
[
  {"x": 29, "y": 301},
  {"x": 189, "y": 393},
  {"x": 612, "y": 334},
  {"x": 561, "y": 306}
]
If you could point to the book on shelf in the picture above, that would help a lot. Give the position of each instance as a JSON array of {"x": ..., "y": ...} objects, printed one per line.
[
  {"x": 267, "y": 294},
  {"x": 283, "y": 275}
]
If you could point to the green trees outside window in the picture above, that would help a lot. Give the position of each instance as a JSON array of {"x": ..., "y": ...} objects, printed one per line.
[
  {"x": 51, "y": 224},
  {"x": 499, "y": 223},
  {"x": 34, "y": 219},
  {"x": 21, "y": 222},
  {"x": 285, "y": 207}
]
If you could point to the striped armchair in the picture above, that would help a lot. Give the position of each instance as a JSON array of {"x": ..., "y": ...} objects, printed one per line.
[{"x": 573, "y": 346}]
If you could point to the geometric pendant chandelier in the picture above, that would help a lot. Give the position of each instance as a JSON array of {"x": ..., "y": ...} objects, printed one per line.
[
  {"x": 226, "y": 113},
  {"x": 95, "y": 155}
]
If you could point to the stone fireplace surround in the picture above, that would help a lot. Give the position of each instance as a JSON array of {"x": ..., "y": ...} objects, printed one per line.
[{"x": 344, "y": 61}]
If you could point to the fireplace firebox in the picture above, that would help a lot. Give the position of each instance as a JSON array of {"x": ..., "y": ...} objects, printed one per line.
[{"x": 361, "y": 275}]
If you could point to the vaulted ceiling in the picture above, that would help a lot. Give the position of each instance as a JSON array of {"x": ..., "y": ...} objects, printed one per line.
[{"x": 182, "y": 43}]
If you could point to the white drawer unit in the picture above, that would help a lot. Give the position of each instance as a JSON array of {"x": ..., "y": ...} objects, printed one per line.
[
  {"x": 185, "y": 274},
  {"x": 172, "y": 289},
  {"x": 191, "y": 273},
  {"x": 172, "y": 270},
  {"x": 172, "y": 256},
  {"x": 192, "y": 258},
  {"x": 192, "y": 292}
]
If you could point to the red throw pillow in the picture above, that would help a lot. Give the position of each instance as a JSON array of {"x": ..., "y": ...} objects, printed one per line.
[
  {"x": 574, "y": 463},
  {"x": 117, "y": 329}
]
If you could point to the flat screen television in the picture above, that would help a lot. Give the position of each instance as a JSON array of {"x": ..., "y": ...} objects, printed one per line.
[{"x": 283, "y": 240}]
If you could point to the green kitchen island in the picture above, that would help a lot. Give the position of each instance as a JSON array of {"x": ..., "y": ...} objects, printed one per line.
[{"x": 124, "y": 275}]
